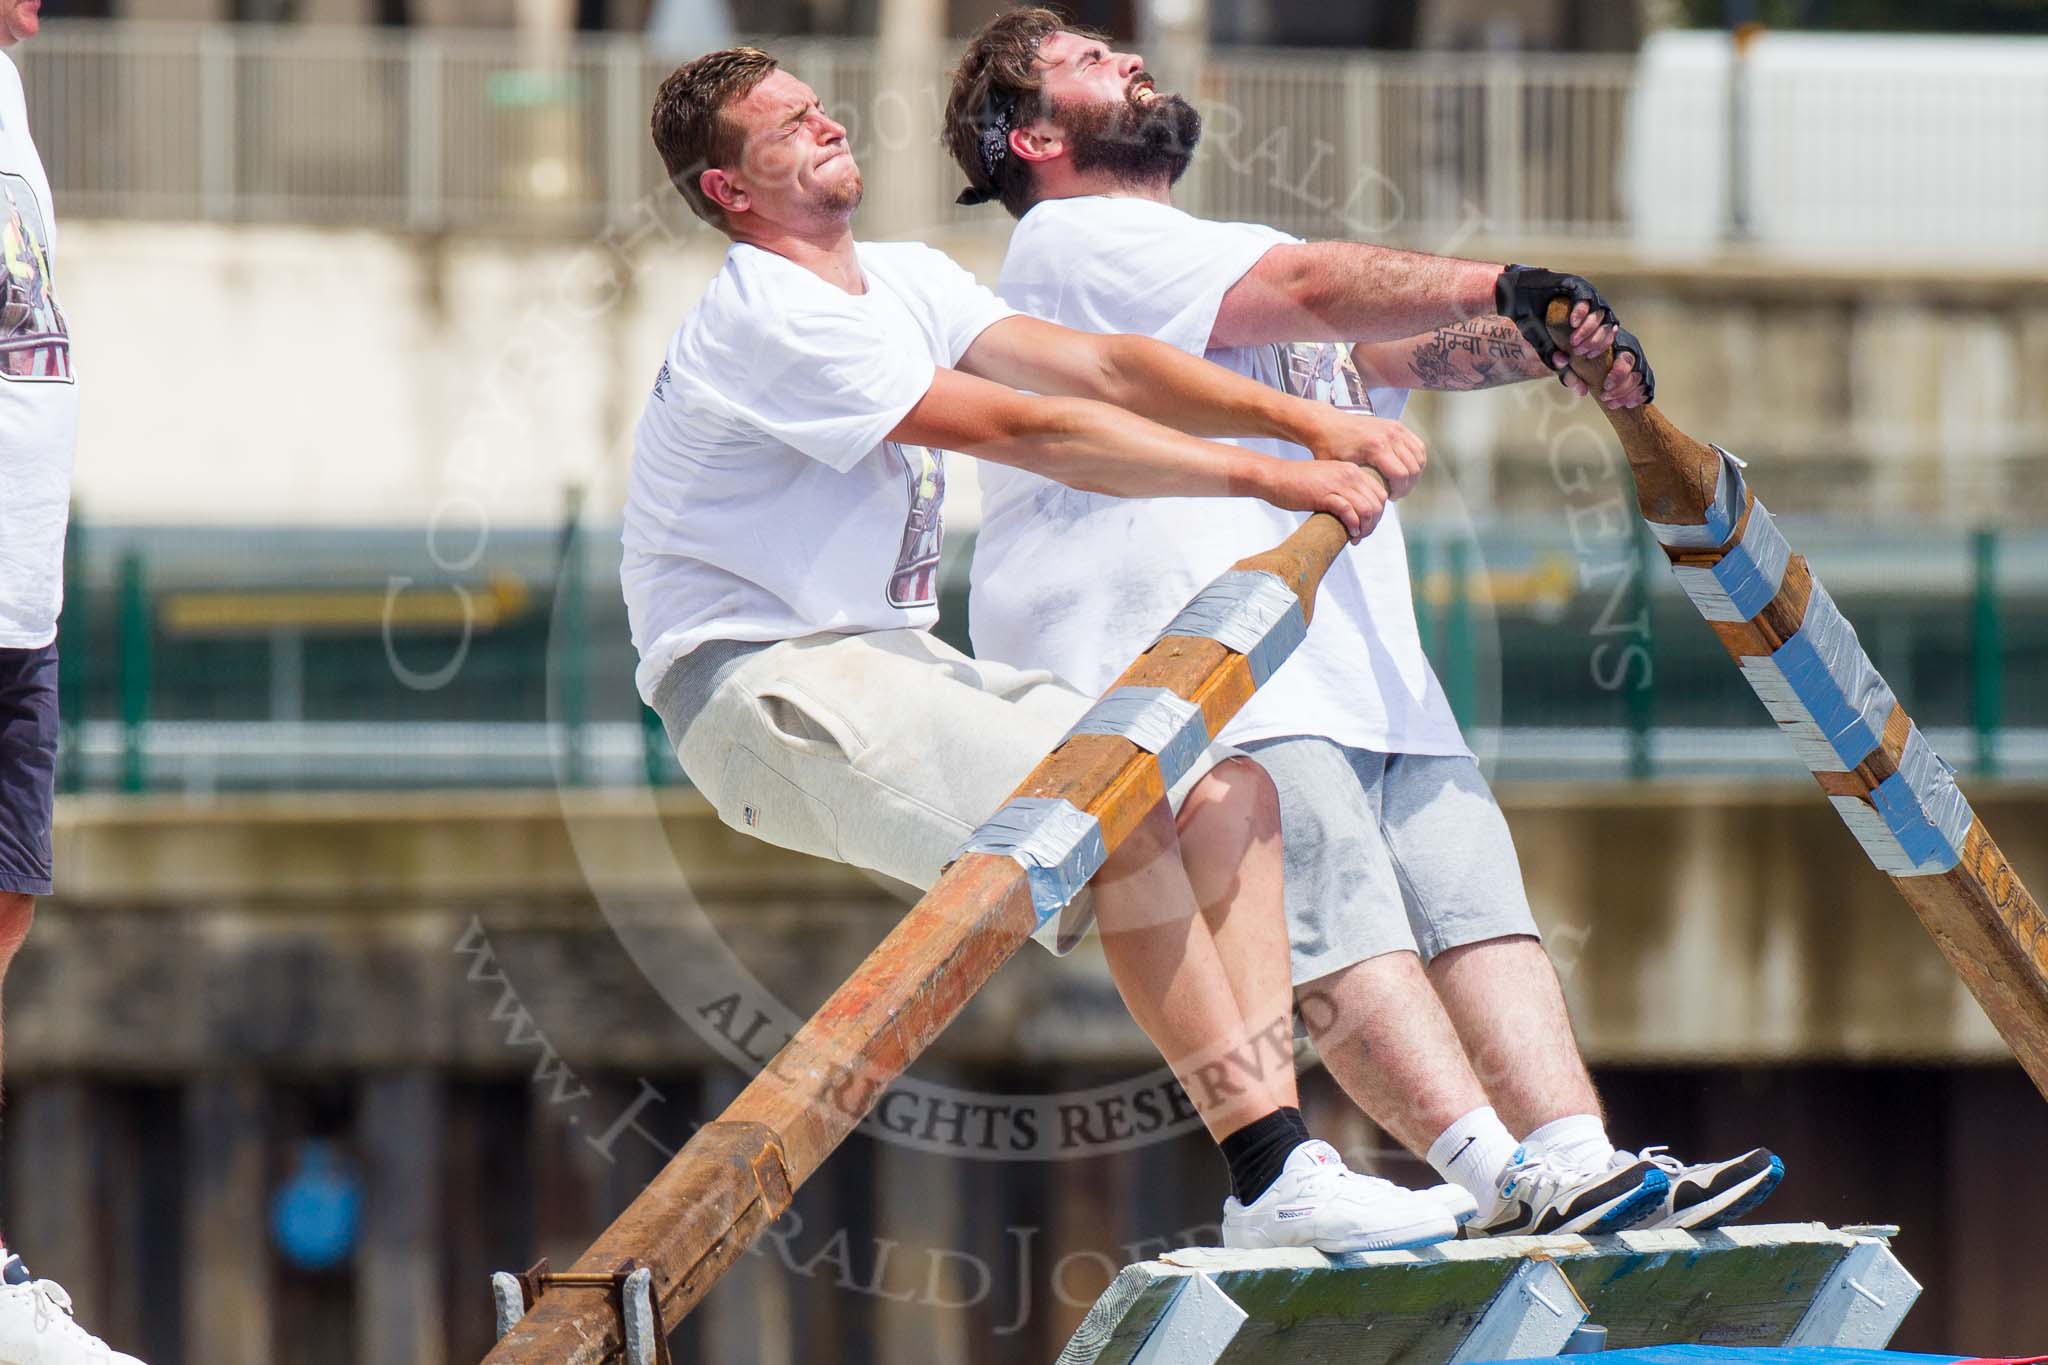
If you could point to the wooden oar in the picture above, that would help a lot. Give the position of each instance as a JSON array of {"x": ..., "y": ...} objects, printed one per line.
[
  {"x": 737, "y": 1174},
  {"x": 1893, "y": 791}
]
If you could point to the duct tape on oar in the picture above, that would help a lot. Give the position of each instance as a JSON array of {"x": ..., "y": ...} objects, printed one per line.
[
  {"x": 1156, "y": 719},
  {"x": 1721, "y": 514},
  {"x": 1059, "y": 846},
  {"x": 1822, "y": 689},
  {"x": 1249, "y": 611},
  {"x": 1916, "y": 819},
  {"x": 1820, "y": 686}
]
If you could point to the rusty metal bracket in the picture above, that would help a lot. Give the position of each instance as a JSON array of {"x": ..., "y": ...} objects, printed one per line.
[{"x": 632, "y": 1294}]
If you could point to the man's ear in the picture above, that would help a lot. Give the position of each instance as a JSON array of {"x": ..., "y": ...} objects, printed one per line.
[
  {"x": 1039, "y": 142},
  {"x": 722, "y": 190}
]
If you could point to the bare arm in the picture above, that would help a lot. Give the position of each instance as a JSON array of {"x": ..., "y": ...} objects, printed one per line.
[
  {"x": 1350, "y": 291},
  {"x": 1479, "y": 355},
  {"x": 1419, "y": 320},
  {"x": 1465, "y": 355},
  {"x": 1101, "y": 449},
  {"x": 1137, "y": 374},
  {"x": 1175, "y": 389}
]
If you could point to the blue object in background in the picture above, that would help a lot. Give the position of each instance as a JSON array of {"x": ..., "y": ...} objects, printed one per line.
[{"x": 314, "y": 1214}]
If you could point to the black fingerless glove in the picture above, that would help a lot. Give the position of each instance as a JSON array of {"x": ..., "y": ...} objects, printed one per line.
[
  {"x": 1523, "y": 293},
  {"x": 1625, "y": 343}
]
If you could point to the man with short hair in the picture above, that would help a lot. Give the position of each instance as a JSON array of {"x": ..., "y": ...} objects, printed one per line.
[
  {"x": 782, "y": 535},
  {"x": 38, "y": 435},
  {"x": 1436, "y": 1007}
]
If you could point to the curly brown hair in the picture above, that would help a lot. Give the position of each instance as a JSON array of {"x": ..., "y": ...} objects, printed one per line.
[
  {"x": 997, "y": 87},
  {"x": 690, "y": 128}
]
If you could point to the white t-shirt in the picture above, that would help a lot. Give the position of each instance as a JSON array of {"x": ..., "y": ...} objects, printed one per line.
[
  {"x": 1081, "y": 583},
  {"x": 765, "y": 501},
  {"x": 38, "y": 393}
]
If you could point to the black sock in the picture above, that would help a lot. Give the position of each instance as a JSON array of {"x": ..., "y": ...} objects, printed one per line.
[{"x": 1257, "y": 1151}]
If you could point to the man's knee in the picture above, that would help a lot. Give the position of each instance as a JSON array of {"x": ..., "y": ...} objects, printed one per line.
[
  {"x": 1154, "y": 836},
  {"x": 1240, "y": 792},
  {"x": 1235, "y": 795},
  {"x": 1338, "y": 1004},
  {"x": 16, "y": 912}
]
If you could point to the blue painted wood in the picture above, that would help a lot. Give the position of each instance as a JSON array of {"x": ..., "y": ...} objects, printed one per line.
[{"x": 1772, "y": 1355}]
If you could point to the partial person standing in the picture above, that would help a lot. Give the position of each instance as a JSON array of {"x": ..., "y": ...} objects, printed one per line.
[{"x": 38, "y": 434}]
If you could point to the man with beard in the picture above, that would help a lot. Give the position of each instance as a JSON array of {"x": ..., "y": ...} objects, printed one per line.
[
  {"x": 782, "y": 523},
  {"x": 1418, "y": 966}
]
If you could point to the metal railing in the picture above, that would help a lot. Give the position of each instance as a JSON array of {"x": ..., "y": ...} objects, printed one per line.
[
  {"x": 198, "y": 660},
  {"x": 1420, "y": 149},
  {"x": 438, "y": 131},
  {"x": 337, "y": 126}
]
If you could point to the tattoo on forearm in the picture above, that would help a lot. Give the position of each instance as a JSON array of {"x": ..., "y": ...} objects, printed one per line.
[{"x": 1473, "y": 355}]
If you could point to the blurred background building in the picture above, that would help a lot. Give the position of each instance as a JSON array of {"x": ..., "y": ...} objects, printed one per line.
[{"x": 379, "y": 887}]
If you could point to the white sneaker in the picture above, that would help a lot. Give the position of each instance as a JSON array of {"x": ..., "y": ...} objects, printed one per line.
[
  {"x": 1707, "y": 1194},
  {"x": 1455, "y": 1200},
  {"x": 36, "y": 1327},
  {"x": 1318, "y": 1202},
  {"x": 1538, "y": 1196}
]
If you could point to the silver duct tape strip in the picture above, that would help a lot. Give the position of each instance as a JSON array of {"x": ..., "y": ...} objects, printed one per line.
[
  {"x": 1156, "y": 719},
  {"x": 1247, "y": 610},
  {"x": 1746, "y": 578},
  {"x": 1923, "y": 811},
  {"x": 1822, "y": 690},
  {"x": 1722, "y": 514},
  {"x": 1058, "y": 845},
  {"x": 1889, "y": 853},
  {"x": 1877, "y": 839}
]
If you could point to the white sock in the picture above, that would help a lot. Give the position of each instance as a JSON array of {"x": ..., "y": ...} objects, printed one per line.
[
  {"x": 1578, "y": 1140},
  {"x": 1472, "y": 1153}
]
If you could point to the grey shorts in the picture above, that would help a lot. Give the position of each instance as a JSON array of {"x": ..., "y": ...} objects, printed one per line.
[
  {"x": 884, "y": 750},
  {"x": 1389, "y": 852}
]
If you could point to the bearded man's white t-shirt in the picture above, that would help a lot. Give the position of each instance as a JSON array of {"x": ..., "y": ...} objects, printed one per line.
[
  {"x": 38, "y": 391},
  {"x": 766, "y": 501},
  {"x": 1081, "y": 583}
]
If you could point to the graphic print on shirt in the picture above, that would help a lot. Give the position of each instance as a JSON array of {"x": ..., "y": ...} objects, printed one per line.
[
  {"x": 1321, "y": 371},
  {"x": 915, "y": 581},
  {"x": 34, "y": 343}
]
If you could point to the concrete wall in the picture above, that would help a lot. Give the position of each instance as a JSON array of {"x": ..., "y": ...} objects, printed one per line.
[
  {"x": 498, "y": 1013},
  {"x": 281, "y": 374},
  {"x": 1691, "y": 925}
]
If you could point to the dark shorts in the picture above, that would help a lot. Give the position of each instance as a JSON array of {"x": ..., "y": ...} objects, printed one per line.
[{"x": 28, "y": 767}]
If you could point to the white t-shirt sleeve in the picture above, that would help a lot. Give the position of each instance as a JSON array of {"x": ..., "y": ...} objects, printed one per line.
[
  {"x": 814, "y": 379},
  {"x": 952, "y": 306},
  {"x": 1166, "y": 270}
]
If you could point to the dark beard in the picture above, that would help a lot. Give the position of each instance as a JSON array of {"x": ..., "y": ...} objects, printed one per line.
[{"x": 1137, "y": 144}]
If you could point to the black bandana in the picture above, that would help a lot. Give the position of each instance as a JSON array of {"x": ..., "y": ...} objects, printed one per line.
[{"x": 994, "y": 146}]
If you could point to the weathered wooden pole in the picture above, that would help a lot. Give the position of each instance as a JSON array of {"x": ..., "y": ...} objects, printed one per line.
[
  {"x": 1898, "y": 797},
  {"x": 737, "y": 1175}
]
